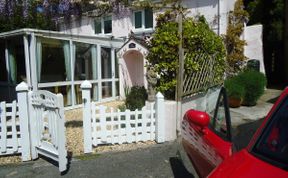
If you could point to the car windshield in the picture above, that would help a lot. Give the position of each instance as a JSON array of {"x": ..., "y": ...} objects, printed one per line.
[{"x": 272, "y": 146}]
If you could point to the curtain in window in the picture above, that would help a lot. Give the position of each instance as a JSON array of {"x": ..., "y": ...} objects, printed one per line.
[
  {"x": 66, "y": 48},
  {"x": 12, "y": 65},
  {"x": 39, "y": 59},
  {"x": 94, "y": 70}
]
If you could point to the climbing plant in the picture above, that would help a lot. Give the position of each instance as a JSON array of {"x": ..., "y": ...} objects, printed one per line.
[
  {"x": 233, "y": 42},
  {"x": 198, "y": 38}
]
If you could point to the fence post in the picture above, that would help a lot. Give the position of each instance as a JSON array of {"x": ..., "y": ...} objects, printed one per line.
[
  {"x": 22, "y": 97},
  {"x": 160, "y": 118},
  {"x": 86, "y": 98}
]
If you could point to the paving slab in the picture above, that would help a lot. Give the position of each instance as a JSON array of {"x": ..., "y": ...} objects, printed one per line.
[{"x": 246, "y": 114}]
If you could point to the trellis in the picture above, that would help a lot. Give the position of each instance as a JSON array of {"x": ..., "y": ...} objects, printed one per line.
[{"x": 202, "y": 78}]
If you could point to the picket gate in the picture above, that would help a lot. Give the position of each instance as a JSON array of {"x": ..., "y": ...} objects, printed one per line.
[{"x": 34, "y": 126}]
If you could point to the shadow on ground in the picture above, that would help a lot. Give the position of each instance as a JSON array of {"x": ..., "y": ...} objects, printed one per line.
[{"x": 178, "y": 168}]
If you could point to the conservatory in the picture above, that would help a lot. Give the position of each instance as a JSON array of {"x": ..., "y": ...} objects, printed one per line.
[{"x": 59, "y": 62}]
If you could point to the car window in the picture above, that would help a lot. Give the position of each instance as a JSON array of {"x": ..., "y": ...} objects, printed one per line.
[
  {"x": 220, "y": 122},
  {"x": 272, "y": 145}
]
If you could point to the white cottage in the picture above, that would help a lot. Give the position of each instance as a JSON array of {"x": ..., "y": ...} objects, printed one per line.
[{"x": 100, "y": 50}]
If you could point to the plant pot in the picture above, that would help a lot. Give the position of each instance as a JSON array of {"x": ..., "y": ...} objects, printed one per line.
[{"x": 234, "y": 102}]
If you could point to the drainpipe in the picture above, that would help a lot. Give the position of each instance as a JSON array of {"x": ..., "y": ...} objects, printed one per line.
[
  {"x": 219, "y": 17},
  {"x": 179, "y": 87}
]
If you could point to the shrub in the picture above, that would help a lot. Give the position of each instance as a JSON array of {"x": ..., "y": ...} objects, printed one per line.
[
  {"x": 136, "y": 98},
  {"x": 198, "y": 41},
  {"x": 254, "y": 83},
  {"x": 234, "y": 88}
]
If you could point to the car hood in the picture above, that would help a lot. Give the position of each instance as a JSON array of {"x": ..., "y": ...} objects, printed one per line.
[{"x": 243, "y": 164}]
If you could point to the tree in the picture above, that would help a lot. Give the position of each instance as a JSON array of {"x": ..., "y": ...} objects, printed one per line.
[
  {"x": 234, "y": 44},
  {"x": 198, "y": 39},
  {"x": 271, "y": 14}
]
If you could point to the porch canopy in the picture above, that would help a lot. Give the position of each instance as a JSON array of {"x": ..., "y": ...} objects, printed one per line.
[{"x": 59, "y": 62}]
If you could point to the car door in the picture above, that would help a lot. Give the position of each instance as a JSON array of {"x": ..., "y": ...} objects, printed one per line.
[{"x": 208, "y": 141}]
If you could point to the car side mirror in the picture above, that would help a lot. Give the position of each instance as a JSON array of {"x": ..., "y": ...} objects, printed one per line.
[{"x": 199, "y": 118}]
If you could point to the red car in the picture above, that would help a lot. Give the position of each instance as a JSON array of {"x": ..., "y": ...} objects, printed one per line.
[{"x": 208, "y": 143}]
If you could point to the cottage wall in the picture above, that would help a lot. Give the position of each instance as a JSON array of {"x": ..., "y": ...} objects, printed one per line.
[{"x": 216, "y": 13}]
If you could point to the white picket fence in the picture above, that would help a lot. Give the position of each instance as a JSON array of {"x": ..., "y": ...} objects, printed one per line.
[
  {"x": 9, "y": 129},
  {"x": 14, "y": 128},
  {"x": 104, "y": 125}
]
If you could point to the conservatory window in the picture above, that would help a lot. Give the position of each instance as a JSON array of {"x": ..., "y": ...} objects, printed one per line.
[
  {"x": 106, "y": 63},
  {"x": 85, "y": 62},
  {"x": 3, "y": 70},
  {"x": 53, "y": 60}
]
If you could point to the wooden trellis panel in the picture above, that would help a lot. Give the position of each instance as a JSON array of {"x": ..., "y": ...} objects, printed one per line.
[{"x": 201, "y": 79}]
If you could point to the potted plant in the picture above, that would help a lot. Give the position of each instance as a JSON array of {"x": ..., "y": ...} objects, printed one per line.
[
  {"x": 235, "y": 91},
  {"x": 254, "y": 83}
]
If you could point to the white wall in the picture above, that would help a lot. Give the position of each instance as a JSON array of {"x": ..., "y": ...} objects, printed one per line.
[
  {"x": 254, "y": 48},
  {"x": 122, "y": 24},
  {"x": 83, "y": 27}
]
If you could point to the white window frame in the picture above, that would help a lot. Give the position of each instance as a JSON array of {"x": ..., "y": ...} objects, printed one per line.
[
  {"x": 102, "y": 25},
  {"x": 143, "y": 21}
]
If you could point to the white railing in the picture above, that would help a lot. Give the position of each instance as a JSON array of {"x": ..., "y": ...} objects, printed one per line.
[{"x": 104, "y": 125}]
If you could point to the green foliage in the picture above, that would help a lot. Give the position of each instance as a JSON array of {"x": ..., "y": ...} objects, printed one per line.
[
  {"x": 197, "y": 39},
  {"x": 34, "y": 19},
  {"x": 234, "y": 88},
  {"x": 122, "y": 107},
  {"x": 234, "y": 45},
  {"x": 254, "y": 83},
  {"x": 136, "y": 98}
]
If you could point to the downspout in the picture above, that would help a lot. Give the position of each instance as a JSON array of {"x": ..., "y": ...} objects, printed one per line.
[{"x": 219, "y": 18}]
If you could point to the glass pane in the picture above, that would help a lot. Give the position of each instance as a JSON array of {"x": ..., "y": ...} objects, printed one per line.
[
  {"x": 138, "y": 19},
  {"x": 64, "y": 90},
  {"x": 106, "y": 89},
  {"x": 16, "y": 60},
  {"x": 94, "y": 92},
  {"x": 117, "y": 88},
  {"x": 108, "y": 25},
  {"x": 106, "y": 69},
  {"x": 3, "y": 70},
  {"x": 221, "y": 117},
  {"x": 85, "y": 62},
  {"x": 116, "y": 66},
  {"x": 273, "y": 143},
  {"x": 53, "y": 57},
  {"x": 148, "y": 18},
  {"x": 98, "y": 26},
  {"x": 78, "y": 94}
]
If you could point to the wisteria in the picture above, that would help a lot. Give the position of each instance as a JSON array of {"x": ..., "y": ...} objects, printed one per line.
[{"x": 44, "y": 14}]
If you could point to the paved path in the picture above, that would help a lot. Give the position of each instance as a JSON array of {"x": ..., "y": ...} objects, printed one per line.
[
  {"x": 156, "y": 161},
  {"x": 245, "y": 114}
]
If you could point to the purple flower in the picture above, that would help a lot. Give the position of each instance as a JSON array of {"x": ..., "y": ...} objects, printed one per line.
[{"x": 64, "y": 6}]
